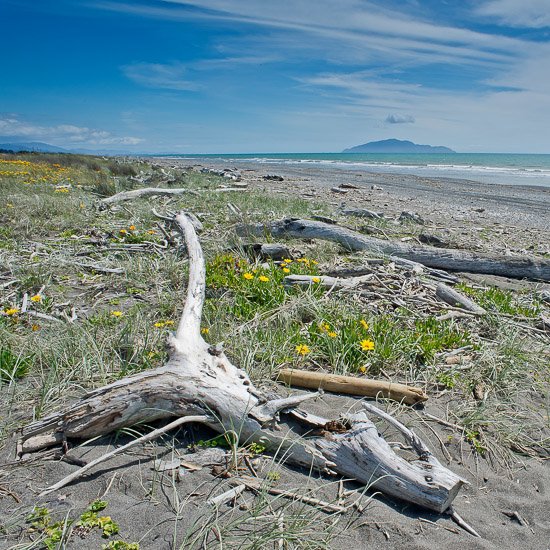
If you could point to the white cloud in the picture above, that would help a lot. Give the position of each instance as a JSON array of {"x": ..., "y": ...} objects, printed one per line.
[
  {"x": 400, "y": 119},
  {"x": 518, "y": 13},
  {"x": 171, "y": 76},
  {"x": 11, "y": 125}
]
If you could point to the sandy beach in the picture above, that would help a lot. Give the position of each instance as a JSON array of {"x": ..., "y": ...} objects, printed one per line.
[{"x": 507, "y": 497}]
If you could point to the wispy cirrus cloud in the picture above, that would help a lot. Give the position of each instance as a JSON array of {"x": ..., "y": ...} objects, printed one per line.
[
  {"x": 11, "y": 125},
  {"x": 169, "y": 76},
  {"x": 514, "y": 13},
  {"x": 344, "y": 24}
]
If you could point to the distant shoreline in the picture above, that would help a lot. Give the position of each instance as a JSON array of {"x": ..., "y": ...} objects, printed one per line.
[
  {"x": 522, "y": 206},
  {"x": 487, "y": 168}
]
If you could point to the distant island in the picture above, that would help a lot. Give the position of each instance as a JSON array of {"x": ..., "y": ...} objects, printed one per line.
[{"x": 396, "y": 146}]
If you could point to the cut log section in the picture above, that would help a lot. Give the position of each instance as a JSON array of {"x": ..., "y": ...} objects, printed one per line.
[
  {"x": 199, "y": 380},
  {"x": 454, "y": 260},
  {"x": 352, "y": 386}
]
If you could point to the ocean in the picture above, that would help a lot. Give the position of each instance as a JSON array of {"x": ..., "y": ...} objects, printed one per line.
[{"x": 493, "y": 168}]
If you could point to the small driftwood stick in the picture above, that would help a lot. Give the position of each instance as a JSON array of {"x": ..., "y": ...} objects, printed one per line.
[
  {"x": 454, "y": 298},
  {"x": 145, "y": 192},
  {"x": 353, "y": 386},
  {"x": 107, "y": 456},
  {"x": 257, "y": 486},
  {"x": 227, "y": 496},
  {"x": 325, "y": 281}
]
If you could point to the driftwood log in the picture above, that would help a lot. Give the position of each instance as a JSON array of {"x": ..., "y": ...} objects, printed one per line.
[
  {"x": 450, "y": 259},
  {"x": 198, "y": 380},
  {"x": 145, "y": 192},
  {"x": 456, "y": 299},
  {"x": 352, "y": 385}
]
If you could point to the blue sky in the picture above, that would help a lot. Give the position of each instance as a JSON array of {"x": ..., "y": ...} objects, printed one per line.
[{"x": 223, "y": 76}]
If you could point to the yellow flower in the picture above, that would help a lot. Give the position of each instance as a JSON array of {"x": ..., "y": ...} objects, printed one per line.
[
  {"x": 117, "y": 313},
  {"x": 316, "y": 280},
  {"x": 123, "y": 231},
  {"x": 159, "y": 324},
  {"x": 287, "y": 261},
  {"x": 248, "y": 276},
  {"x": 367, "y": 345},
  {"x": 332, "y": 334},
  {"x": 152, "y": 232},
  {"x": 363, "y": 369},
  {"x": 132, "y": 228},
  {"x": 302, "y": 349},
  {"x": 263, "y": 278},
  {"x": 286, "y": 270},
  {"x": 364, "y": 324},
  {"x": 36, "y": 298},
  {"x": 205, "y": 330},
  {"x": 35, "y": 327},
  {"x": 168, "y": 323},
  {"x": 11, "y": 311}
]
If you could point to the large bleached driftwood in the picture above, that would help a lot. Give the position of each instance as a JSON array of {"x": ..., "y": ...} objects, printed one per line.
[
  {"x": 453, "y": 260},
  {"x": 199, "y": 380}
]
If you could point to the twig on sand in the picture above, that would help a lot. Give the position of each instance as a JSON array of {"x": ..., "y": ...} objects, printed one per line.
[
  {"x": 227, "y": 496},
  {"x": 257, "y": 486},
  {"x": 461, "y": 523},
  {"x": 143, "y": 439}
]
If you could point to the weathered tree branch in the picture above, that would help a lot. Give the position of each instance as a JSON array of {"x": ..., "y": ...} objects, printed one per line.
[
  {"x": 453, "y": 260},
  {"x": 145, "y": 192}
]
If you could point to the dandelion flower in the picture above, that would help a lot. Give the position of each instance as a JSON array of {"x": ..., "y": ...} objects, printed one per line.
[
  {"x": 302, "y": 350},
  {"x": 123, "y": 231},
  {"x": 287, "y": 261},
  {"x": 332, "y": 334},
  {"x": 36, "y": 298},
  {"x": 286, "y": 270},
  {"x": 364, "y": 324},
  {"x": 367, "y": 345},
  {"x": 363, "y": 369},
  {"x": 117, "y": 313},
  {"x": 132, "y": 228},
  {"x": 159, "y": 324},
  {"x": 263, "y": 278},
  {"x": 316, "y": 280},
  {"x": 168, "y": 323},
  {"x": 205, "y": 330},
  {"x": 11, "y": 311},
  {"x": 152, "y": 232},
  {"x": 248, "y": 276},
  {"x": 34, "y": 328}
]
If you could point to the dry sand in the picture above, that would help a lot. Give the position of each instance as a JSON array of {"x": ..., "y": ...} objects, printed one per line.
[{"x": 143, "y": 503}]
